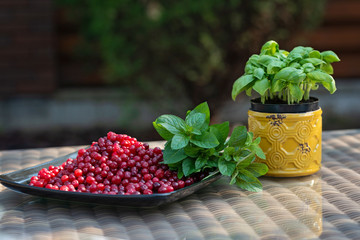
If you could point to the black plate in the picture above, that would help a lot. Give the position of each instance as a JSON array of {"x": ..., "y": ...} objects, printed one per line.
[{"x": 19, "y": 180}]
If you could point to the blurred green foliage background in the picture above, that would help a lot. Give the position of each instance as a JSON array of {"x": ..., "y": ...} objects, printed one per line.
[{"x": 186, "y": 50}]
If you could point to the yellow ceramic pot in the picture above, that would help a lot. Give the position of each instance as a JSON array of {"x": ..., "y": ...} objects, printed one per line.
[{"x": 290, "y": 141}]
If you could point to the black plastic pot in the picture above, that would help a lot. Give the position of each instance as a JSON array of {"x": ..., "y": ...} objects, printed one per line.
[{"x": 311, "y": 105}]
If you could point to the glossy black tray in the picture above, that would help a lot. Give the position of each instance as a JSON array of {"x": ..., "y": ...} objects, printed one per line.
[{"x": 18, "y": 181}]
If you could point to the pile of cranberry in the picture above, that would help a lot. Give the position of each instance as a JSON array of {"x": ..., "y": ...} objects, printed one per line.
[{"x": 115, "y": 164}]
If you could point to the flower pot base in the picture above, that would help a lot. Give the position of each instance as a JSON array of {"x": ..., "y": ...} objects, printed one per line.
[{"x": 290, "y": 141}]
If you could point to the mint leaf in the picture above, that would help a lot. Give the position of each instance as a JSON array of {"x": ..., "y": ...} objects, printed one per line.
[
  {"x": 165, "y": 134},
  {"x": 195, "y": 119},
  {"x": 228, "y": 153},
  {"x": 258, "y": 151},
  {"x": 244, "y": 158},
  {"x": 248, "y": 182},
  {"x": 257, "y": 169},
  {"x": 225, "y": 167},
  {"x": 221, "y": 131},
  {"x": 179, "y": 141},
  {"x": 207, "y": 140},
  {"x": 238, "y": 137},
  {"x": 200, "y": 162},
  {"x": 172, "y": 123},
  {"x": 203, "y": 108},
  {"x": 192, "y": 151},
  {"x": 173, "y": 156},
  {"x": 188, "y": 166}
]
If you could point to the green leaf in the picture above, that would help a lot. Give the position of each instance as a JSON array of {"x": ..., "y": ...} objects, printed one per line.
[
  {"x": 233, "y": 177},
  {"x": 207, "y": 140},
  {"x": 247, "y": 181},
  {"x": 257, "y": 150},
  {"x": 327, "y": 81},
  {"x": 249, "y": 138},
  {"x": 228, "y": 153},
  {"x": 221, "y": 131},
  {"x": 257, "y": 169},
  {"x": 238, "y": 137},
  {"x": 195, "y": 119},
  {"x": 308, "y": 67},
  {"x": 290, "y": 74},
  {"x": 188, "y": 166},
  {"x": 330, "y": 57},
  {"x": 293, "y": 56},
  {"x": 315, "y": 54},
  {"x": 200, "y": 162},
  {"x": 296, "y": 92},
  {"x": 278, "y": 85},
  {"x": 171, "y": 156},
  {"x": 259, "y": 73},
  {"x": 262, "y": 86},
  {"x": 241, "y": 84},
  {"x": 265, "y": 60},
  {"x": 314, "y": 61},
  {"x": 172, "y": 123},
  {"x": 192, "y": 151},
  {"x": 179, "y": 141},
  {"x": 270, "y": 48},
  {"x": 203, "y": 108},
  {"x": 257, "y": 140},
  {"x": 274, "y": 67},
  {"x": 225, "y": 167},
  {"x": 165, "y": 134},
  {"x": 244, "y": 158},
  {"x": 327, "y": 68}
]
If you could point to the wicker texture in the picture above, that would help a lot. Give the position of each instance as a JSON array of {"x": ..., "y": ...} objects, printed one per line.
[{"x": 325, "y": 205}]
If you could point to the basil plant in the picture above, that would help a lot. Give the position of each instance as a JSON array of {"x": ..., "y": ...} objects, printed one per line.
[{"x": 286, "y": 76}]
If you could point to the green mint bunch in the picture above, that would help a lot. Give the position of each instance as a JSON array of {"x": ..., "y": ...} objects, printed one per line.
[
  {"x": 193, "y": 145},
  {"x": 287, "y": 76}
]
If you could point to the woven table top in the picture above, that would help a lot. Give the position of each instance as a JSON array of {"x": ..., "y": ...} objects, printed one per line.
[{"x": 325, "y": 205}]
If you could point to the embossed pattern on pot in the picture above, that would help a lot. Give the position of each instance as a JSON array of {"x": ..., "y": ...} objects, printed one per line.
[{"x": 290, "y": 141}]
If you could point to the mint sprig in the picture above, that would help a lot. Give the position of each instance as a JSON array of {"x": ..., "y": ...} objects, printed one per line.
[{"x": 193, "y": 145}]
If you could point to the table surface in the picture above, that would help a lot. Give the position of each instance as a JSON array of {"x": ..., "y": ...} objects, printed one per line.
[{"x": 325, "y": 205}]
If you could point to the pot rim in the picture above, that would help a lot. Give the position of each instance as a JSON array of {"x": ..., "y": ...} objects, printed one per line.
[{"x": 310, "y": 106}]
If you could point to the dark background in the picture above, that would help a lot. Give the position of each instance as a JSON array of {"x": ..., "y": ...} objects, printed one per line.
[{"x": 72, "y": 70}]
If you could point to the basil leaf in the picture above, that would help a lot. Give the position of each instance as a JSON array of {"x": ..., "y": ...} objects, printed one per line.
[
  {"x": 327, "y": 68},
  {"x": 274, "y": 67},
  {"x": 327, "y": 81},
  {"x": 278, "y": 85},
  {"x": 315, "y": 54},
  {"x": 270, "y": 48},
  {"x": 226, "y": 168},
  {"x": 259, "y": 73},
  {"x": 257, "y": 169},
  {"x": 308, "y": 67},
  {"x": 262, "y": 86},
  {"x": 200, "y": 162},
  {"x": 207, "y": 140},
  {"x": 188, "y": 166},
  {"x": 241, "y": 84},
  {"x": 290, "y": 74},
  {"x": 296, "y": 92},
  {"x": 314, "y": 61},
  {"x": 265, "y": 60},
  {"x": 171, "y": 156},
  {"x": 238, "y": 137},
  {"x": 165, "y": 134},
  {"x": 330, "y": 57},
  {"x": 172, "y": 123},
  {"x": 179, "y": 141}
]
